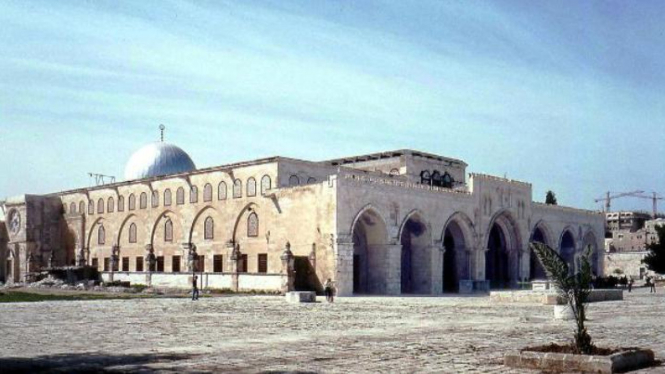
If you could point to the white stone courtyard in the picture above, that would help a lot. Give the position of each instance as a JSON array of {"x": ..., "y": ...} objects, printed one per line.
[{"x": 251, "y": 334}]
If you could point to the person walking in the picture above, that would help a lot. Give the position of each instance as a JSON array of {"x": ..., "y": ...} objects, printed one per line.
[
  {"x": 329, "y": 290},
  {"x": 652, "y": 284},
  {"x": 195, "y": 288}
]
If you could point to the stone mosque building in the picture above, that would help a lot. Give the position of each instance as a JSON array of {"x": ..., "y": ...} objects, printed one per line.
[{"x": 385, "y": 223}]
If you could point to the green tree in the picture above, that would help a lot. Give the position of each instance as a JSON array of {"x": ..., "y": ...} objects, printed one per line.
[
  {"x": 655, "y": 259},
  {"x": 574, "y": 289},
  {"x": 550, "y": 198}
]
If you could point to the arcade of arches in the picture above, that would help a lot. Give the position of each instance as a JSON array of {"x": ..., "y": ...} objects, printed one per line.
[{"x": 412, "y": 263}]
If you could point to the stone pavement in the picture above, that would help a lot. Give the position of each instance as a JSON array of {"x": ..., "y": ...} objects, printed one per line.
[{"x": 252, "y": 334}]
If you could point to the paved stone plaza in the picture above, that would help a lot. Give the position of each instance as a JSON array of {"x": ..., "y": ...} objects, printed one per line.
[{"x": 266, "y": 334}]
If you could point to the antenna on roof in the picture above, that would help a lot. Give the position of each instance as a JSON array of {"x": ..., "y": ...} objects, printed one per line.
[{"x": 161, "y": 130}]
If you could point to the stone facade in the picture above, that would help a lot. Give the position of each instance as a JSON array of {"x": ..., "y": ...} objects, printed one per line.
[{"x": 387, "y": 223}]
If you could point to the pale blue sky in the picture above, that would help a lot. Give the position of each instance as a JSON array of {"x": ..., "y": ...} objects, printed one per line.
[{"x": 566, "y": 95}]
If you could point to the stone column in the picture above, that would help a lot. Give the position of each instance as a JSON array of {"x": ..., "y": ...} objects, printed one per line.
[
  {"x": 80, "y": 257},
  {"x": 393, "y": 276},
  {"x": 234, "y": 261},
  {"x": 149, "y": 262},
  {"x": 288, "y": 269},
  {"x": 312, "y": 257},
  {"x": 437, "y": 257},
  {"x": 113, "y": 260},
  {"x": 189, "y": 250},
  {"x": 344, "y": 266},
  {"x": 524, "y": 264}
]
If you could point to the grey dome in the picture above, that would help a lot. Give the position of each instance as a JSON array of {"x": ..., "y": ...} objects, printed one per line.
[{"x": 157, "y": 159}]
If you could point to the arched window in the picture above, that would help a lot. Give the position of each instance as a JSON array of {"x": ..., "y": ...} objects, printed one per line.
[
  {"x": 207, "y": 192},
  {"x": 110, "y": 205},
  {"x": 221, "y": 191},
  {"x": 167, "y": 197},
  {"x": 265, "y": 184},
  {"x": 180, "y": 196},
  {"x": 91, "y": 207},
  {"x": 311, "y": 180},
  {"x": 64, "y": 208},
  {"x": 132, "y": 233},
  {"x": 72, "y": 208},
  {"x": 194, "y": 194},
  {"x": 101, "y": 235},
  {"x": 100, "y": 206},
  {"x": 121, "y": 203},
  {"x": 143, "y": 201},
  {"x": 82, "y": 207},
  {"x": 394, "y": 171},
  {"x": 237, "y": 188},
  {"x": 168, "y": 231},
  {"x": 251, "y": 187},
  {"x": 209, "y": 229},
  {"x": 132, "y": 202},
  {"x": 253, "y": 225},
  {"x": 294, "y": 180},
  {"x": 154, "y": 199}
]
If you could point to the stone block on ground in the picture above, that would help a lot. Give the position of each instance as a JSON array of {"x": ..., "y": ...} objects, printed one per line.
[{"x": 301, "y": 297}]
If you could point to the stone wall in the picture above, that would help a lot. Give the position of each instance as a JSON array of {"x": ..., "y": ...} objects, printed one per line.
[{"x": 629, "y": 263}]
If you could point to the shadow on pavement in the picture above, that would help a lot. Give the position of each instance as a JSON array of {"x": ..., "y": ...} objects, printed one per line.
[{"x": 81, "y": 363}]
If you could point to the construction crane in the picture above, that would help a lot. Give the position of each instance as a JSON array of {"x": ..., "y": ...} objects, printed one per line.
[
  {"x": 608, "y": 197},
  {"x": 654, "y": 197}
]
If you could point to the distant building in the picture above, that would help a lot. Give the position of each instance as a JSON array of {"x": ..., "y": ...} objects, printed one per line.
[
  {"x": 631, "y": 221},
  {"x": 626, "y": 240}
]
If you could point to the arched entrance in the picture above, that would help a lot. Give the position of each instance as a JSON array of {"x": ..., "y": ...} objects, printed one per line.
[
  {"x": 536, "y": 268},
  {"x": 415, "y": 263},
  {"x": 567, "y": 250},
  {"x": 501, "y": 262},
  {"x": 455, "y": 259},
  {"x": 369, "y": 257}
]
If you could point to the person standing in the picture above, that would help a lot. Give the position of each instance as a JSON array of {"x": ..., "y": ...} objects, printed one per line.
[
  {"x": 195, "y": 288},
  {"x": 329, "y": 291},
  {"x": 630, "y": 284},
  {"x": 652, "y": 284}
]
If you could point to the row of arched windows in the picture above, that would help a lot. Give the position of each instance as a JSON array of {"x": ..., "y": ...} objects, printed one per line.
[
  {"x": 208, "y": 230},
  {"x": 222, "y": 194}
]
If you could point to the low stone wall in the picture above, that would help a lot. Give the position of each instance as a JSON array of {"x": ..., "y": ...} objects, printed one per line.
[
  {"x": 246, "y": 281},
  {"x": 549, "y": 297}
]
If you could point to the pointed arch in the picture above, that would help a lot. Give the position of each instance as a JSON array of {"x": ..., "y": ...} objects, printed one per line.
[
  {"x": 82, "y": 207},
  {"x": 251, "y": 187},
  {"x": 416, "y": 214},
  {"x": 457, "y": 236},
  {"x": 222, "y": 191},
  {"x": 209, "y": 229},
  {"x": 546, "y": 231},
  {"x": 72, "y": 208},
  {"x": 101, "y": 235},
  {"x": 180, "y": 196},
  {"x": 207, "y": 193},
  {"x": 122, "y": 227},
  {"x": 168, "y": 230},
  {"x": 167, "y": 215},
  {"x": 91, "y": 231},
  {"x": 167, "y": 197},
  {"x": 369, "y": 233},
  {"x": 208, "y": 211},
  {"x": 249, "y": 207},
  {"x": 266, "y": 183},
  {"x": 252, "y": 225},
  {"x": 132, "y": 202},
  {"x": 110, "y": 205},
  {"x": 374, "y": 211},
  {"x": 121, "y": 203}
]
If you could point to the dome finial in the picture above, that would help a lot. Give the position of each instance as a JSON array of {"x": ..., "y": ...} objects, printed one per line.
[{"x": 161, "y": 129}]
